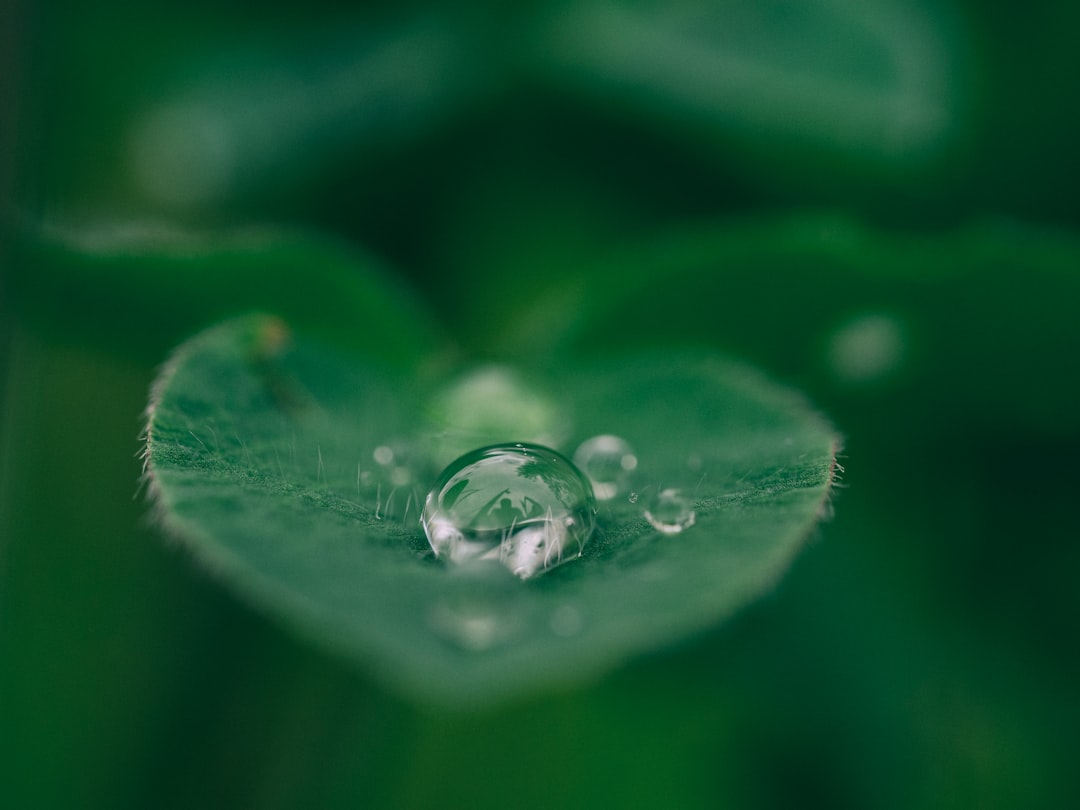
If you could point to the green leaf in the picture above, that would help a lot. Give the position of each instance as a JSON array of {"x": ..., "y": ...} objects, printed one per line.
[
  {"x": 246, "y": 121},
  {"x": 151, "y": 285},
  {"x": 298, "y": 474},
  {"x": 952, "y": 324},
  {"x": 870, "y": 79}
]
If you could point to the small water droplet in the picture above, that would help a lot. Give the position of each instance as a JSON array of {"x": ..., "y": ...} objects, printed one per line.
[
  {"x": 400, "y": 464},
  {"x": 867, "y": 349},
  {"x": 390, "y": 489},
  {"x": 522, "y": 504},
  {"x": 477, "y": 609},
  {"x": 565, "y": 621},
  {"x": 608, "y": 461},
  {"x": 670, "y": 512},
  {"x": 632, "y": 497}
]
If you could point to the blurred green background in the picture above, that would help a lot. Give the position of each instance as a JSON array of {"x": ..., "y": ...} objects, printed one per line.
[{"x": 876, "y": 202}]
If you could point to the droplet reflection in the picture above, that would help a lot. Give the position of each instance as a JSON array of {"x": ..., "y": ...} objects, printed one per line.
[{"x": 477, "y": 610}]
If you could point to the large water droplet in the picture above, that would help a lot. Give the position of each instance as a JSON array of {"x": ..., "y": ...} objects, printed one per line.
[
  {"x": 608, "y": 461},
  {"x": 670, "y": 512},
  {"x": 522, "y": 504}
]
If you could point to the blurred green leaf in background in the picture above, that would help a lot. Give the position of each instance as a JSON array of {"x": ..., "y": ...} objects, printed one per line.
[{"x": 873, "y": 202}]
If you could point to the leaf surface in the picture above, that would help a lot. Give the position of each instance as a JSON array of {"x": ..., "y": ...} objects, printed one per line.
[{"x": 298, "y": 474}]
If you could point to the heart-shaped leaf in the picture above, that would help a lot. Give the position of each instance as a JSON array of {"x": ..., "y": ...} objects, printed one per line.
[{"x": 299, "y": 475}]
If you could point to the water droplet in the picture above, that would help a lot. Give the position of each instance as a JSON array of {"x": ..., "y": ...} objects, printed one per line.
[
  {"x": 632, "y": 497},
  {"x": 565, "y": 621},
  {"x": 522, "y": 504},
  {"x": 608, "y": 461},
  {"x": 477, "y": 609},
  {"x": 867, "y": 349},
  {"x": 399, "y": 465},
  {"x": 670, "y": 512}
]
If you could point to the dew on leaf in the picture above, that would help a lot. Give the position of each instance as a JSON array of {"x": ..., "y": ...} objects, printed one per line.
[
  {"x": 399, "y": 464},
  {"x": 670, "y": 512},
  {"x": 608, "y": 461},
  {"x": 565, "y": 621},
  {"x": 337, "y": 548},
  {"x": 522, "y": 504},
  {"x": 867, "y": 349}
]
